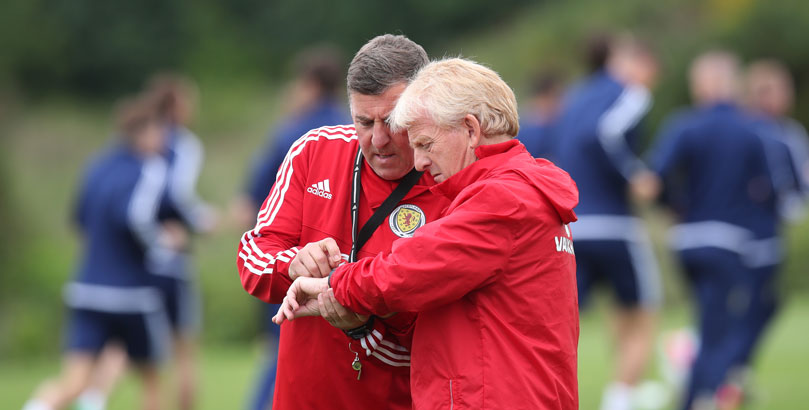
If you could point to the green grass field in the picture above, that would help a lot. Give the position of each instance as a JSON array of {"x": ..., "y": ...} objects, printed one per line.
[{"x": 227, "y": 373}]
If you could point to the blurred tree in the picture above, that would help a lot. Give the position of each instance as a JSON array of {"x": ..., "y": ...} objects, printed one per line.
[
  {"x": 90, "y": 47},
  {"x": 96, "y": 47}
]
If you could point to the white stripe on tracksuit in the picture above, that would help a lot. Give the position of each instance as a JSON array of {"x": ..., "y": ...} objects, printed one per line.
[
  {"x": 625, "y": 113},
  {"x": 143, "y": 205},
  {"x": 755, "y": 253},
  {"x": 250, "y": 252},
  {"x": 632, "y": 231},
  {"x": 373, "y": 348},
  {"x": 183, "y": 179}
]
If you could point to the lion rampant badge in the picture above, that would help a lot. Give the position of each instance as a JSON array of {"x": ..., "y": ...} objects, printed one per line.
[{"x": 405, "y": 219}]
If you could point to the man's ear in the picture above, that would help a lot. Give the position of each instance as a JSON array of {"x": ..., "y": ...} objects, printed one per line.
[{"x": 472, "y": 126}]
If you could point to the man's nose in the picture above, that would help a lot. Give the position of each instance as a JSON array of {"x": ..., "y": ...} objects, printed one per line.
[
  {"x": 381, "y": 135},
  {"x": 421, "y": 161}
]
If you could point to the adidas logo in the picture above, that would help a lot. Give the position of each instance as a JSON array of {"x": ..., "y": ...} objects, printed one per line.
[{"x": 320, "y": 189}]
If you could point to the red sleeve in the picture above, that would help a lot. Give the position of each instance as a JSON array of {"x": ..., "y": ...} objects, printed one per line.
[
  {"x": 445, "y": 260},
  {"x": 266, "y": 250},
  {"x": 400, "y": 325}
]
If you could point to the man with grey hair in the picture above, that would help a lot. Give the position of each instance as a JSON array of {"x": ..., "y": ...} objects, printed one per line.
[
  {"x": 333, "y": 191},
  {"x": 494, "y": 278}
]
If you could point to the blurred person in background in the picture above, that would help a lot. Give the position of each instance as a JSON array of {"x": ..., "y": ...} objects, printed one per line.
[
  {"x": 770, "y": 96},
  {"x": 113, "y": 297},
  {"x": 313, "y": 99},
  {"x": 717, "y": 181},
  {"x": 175, "y": 98},
  {"x": 595, "y": 137},
  {"x": 347, "y": 190},
  {"x": 536, "y": 122}
]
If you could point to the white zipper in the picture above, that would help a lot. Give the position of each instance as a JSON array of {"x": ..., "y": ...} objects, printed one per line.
[{"x": 451, "y": 400}]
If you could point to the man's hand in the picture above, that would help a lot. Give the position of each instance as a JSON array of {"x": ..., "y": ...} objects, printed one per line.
[
  {"x": 645, "y": 186},
  {"x": 315, "y": 260},
  {"x": 301, "y": 299},
  {"x": 174, "y": 236},
  {"x": 336, "y": 314}
]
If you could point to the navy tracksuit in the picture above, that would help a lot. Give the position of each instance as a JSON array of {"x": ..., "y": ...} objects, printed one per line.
[
  {"x": 593, "y": 140},
  {"x": 787, "y": 152},
  {"x": 718, "y": 179},
  {"x": 113, "y": 294}
]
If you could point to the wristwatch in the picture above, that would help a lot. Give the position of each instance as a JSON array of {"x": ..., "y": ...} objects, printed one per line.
[{"x": 359, "y": 332}]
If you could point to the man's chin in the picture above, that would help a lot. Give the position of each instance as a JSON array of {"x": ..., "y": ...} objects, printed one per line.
[{"x": 390, "y": 173}]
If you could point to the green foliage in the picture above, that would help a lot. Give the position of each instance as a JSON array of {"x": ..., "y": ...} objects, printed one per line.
[
  {"x": 92, "y": 46},
  {"x": 102, "y": 48}
]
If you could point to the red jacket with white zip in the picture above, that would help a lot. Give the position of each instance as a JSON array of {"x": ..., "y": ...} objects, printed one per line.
[
  {"x": 494, "y": 282},
  {"x": 310, "y": 201}
]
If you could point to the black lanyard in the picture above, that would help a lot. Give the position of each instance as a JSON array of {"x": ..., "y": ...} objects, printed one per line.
[{"x": 358, "y": 238}]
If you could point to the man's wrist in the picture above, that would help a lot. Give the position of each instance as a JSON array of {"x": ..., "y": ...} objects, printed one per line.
[
  {"x": 361, "y": 331},
  {"x": 328, "y": 281}
]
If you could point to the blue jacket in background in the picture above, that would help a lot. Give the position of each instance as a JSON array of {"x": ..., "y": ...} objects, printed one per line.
[
  {"x": 184, "y": 156},
  {"x": 266, "y": 165},
  {"x": 594, "y": 140},
  {"x": 117, "y": 214},
  {"x": 538, "y": 137},
  {"x": 787, "y": 154},
  {"x": 717, "y": 178}
]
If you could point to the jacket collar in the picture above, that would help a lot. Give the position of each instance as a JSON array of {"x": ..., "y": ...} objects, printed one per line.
[{"x": 489, "y": 157}]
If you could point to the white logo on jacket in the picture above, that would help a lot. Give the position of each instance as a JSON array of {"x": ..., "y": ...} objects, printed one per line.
[
  {"x": 564, "y": 243},
  {"x": 320, "y": 189}
]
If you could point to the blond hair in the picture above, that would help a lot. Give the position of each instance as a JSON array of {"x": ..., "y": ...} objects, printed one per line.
[{"x": 445, "y": 91}]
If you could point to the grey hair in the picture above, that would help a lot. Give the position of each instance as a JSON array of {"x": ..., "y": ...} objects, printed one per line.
[
  {"x": 384, "y": 61},
  {"x": 445, "y": 91}
]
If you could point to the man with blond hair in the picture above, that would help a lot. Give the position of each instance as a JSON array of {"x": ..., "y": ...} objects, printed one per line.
[{"x": 502, "y": 245}]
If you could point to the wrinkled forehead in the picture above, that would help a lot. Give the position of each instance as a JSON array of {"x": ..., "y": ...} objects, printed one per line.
[
  {"x": 375, "y": 106},
  {"x": 424, "y": 130}
]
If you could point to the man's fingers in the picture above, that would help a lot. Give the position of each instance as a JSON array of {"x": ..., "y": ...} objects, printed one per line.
[
  {"x": 333, "y": 307},
  {"x": 322, "y": 260},
  {"x": 330, "y": 248},
  {"x": 328, "y": 307},
  {"x": 322, "y": 308},
  {"x": 309, "y": 263},
  {"x": 316, "y": 259},
  {"x": 288, "y": 312},
  {"x": 292, "y": 294},
  {"x": 279, "y": 316}
]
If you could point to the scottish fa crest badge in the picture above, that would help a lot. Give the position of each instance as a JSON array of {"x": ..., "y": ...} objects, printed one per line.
[{"x": 405, "y": 219}]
